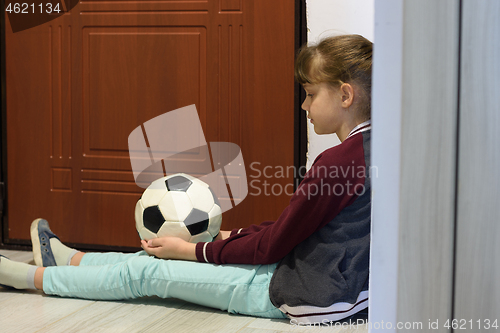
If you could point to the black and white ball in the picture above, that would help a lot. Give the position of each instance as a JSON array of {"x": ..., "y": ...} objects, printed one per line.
[{"x": 178, "y": 205}]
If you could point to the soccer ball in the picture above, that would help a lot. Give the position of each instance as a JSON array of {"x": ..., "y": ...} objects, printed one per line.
[{"x": 178, "y": 205}]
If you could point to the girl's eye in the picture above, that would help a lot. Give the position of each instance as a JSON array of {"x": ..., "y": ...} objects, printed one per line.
[{"x": 310, "y": 95}]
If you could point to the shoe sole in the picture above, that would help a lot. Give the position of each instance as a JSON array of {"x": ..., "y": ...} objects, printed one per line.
[{"x": 35, "y": 242}]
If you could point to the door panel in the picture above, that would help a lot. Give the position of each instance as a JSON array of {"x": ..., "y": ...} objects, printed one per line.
[{"x": 78, "y": 85}]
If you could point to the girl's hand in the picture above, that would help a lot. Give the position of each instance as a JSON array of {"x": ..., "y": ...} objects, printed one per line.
[{"x": 170, "y": 248}]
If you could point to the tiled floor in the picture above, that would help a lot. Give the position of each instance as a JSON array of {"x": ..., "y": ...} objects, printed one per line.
[{"x": 32, "y": 311}]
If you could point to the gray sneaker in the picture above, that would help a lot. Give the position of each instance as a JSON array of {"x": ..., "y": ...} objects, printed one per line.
[{"x": 40, "y": 239}]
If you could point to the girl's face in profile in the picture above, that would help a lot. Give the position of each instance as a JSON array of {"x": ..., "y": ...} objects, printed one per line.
[{"x": 324, "y": 108}]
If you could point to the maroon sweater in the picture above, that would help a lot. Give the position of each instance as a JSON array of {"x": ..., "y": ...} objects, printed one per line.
[{"x": 335, "y": 180}]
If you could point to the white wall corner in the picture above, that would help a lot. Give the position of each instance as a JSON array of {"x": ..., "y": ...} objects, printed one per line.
[{"x": 335, "y": 17}]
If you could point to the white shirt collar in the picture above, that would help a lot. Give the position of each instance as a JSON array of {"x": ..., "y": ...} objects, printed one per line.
[{"x": 365, "y": 126}]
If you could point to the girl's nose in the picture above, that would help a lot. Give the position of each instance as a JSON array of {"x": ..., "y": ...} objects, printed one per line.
[{"x": 305, "y": 105}]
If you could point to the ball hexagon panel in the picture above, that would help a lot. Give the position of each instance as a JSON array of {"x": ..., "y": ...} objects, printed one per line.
[
  {"x": 178, "y": 183},
  {"x": 200, "y": 197},
  {"x": 175, "y": 206},
  {"x": 139, "y": 209},
  {"x": 216, "y": 200},
  {"x": 174, "y": 229},
  {"x": 146, "y": 234},
  {"x": 154, "y": 193},
  {"x": 203, "y": 237},
  {"x": 185, "y": 175},
  {"x": 215, "y": 216}
]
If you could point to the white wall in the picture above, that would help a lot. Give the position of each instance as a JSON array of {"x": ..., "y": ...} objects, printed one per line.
[
  {"x": 386, "y": 155},
  {"x": 335, "y": 17}
]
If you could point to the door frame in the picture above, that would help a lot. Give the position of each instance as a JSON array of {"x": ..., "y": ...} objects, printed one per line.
[{"x": 3, "y": 130}]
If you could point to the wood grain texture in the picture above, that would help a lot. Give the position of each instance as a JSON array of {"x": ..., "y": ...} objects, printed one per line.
[
  {"x": 428, "y": 132},
  {"x": 477, "y": 292}
]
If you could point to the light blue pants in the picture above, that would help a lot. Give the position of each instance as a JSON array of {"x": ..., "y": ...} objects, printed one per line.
[{"x": 242, "y": 289}]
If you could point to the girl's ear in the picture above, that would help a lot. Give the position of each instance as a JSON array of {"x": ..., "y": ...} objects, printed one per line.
[{"x": 347, "y": 93}]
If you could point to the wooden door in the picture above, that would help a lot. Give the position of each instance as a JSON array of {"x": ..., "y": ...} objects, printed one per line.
[{"x": 78, "y": 85}]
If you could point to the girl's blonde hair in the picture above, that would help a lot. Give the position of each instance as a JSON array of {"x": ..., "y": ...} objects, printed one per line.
[{"x": 337, "y": 60}]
